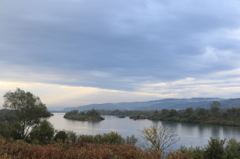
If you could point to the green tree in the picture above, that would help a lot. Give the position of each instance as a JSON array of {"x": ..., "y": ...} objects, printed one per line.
[
  {"x": 43, "y": 132},
  {"x": 61, "y": 136},
  {"x": 201, "y": 111},
  {"x": 188, "y": 112},
  {"x": 214, "y": 107},
  {"x": 92, "y": 112},
  {"x": 164, "y": 112},
  {"x": 29, "y": 109},
  {"x": 173, "y": 112},
  {"x": 214, "y": 149}
]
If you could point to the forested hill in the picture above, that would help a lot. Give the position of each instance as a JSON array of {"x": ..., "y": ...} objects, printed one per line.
[{"x": 170, "y": 103}]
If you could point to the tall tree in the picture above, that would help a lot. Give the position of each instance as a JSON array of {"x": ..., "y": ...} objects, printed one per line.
[
  {"x": 214, "y": 107},
  {"x": 29, "y": 109}
]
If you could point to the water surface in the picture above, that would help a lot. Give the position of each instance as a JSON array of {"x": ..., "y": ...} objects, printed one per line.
[{"x": 191, "y": 134}]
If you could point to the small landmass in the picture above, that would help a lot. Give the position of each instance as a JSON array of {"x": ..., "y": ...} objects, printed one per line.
[
  {"x": 91, "y": 115},
  {"x": 121, "y": 116}
]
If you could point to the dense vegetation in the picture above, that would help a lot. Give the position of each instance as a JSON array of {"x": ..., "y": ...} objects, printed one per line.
[
  {"x": 64, "y": 150},
  {"x": 125, "y": 112},
  {"x": 215, "y": 149},
  {"x": 214, "y": 115},
  {"x": 91, "y": 115},
  {"x": 8, "y": 115},
  {"x": 87, "y": 146}
]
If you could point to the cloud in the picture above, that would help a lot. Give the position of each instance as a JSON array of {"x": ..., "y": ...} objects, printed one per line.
[
  {"x": 69, "y": 96},
  {"x": 118, "y": 45}
]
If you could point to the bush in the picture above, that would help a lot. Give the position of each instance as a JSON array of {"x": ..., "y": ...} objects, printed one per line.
[
  {"x": 71, "y": 137},
  {"x": 177, "y": 155},
  {"x": 44, "y": 132},
  {"x": 214, "y": 149},
  {"x": 61, "y": 136},
  {"x": 21, "y": 149},
  {"x": 5, "y": 130},
  {"x": 132, "y": 140},
  {"x": 232, "y": 149},
  {"x": 113, "y": 138},
  {"x": 110, "y": 138},
  {"x": 192, "y": 152},
  {"x": 16, "y": 130}
]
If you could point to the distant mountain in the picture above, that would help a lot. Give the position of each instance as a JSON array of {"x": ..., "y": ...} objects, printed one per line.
[
  {"x": 181, "y": 103},
  {"x": 229, "y": 103},
  {"x": 169, "y": 103}
]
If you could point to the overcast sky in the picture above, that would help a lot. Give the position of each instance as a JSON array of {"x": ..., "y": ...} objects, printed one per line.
[{"x": 77, "y": 52}]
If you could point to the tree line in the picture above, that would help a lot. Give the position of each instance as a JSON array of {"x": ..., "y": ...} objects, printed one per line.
[
  {"x": 213, "y": 115},
  {"x": 91, "y": 115}
]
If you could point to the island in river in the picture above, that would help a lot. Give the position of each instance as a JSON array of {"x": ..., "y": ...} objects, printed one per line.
[{"x": 91, "y": 115}]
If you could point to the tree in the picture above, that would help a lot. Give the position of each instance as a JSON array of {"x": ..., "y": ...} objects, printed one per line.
[
  {"x": 92, "y": 112},
  {"x": 29, "y": 109},
  {"x": 188, "y": 112},
  {"x": 201, "y": 111},
  {"x": 214, "y": 149},
  {"x": 172, "y": 112},
  {"x": 159, "y": 137},
  {"x": 43, "y": 132},
  {"x": 214, "y": 107},
  {"x": 61, "y": 136}
]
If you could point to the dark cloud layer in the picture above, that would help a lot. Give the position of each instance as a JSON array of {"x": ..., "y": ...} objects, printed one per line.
[{"x": 117, "y": 44}]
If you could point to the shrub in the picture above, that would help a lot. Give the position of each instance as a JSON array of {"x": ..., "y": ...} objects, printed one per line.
[
  {"x": 132, "y": 140},
  {"x": 61, "y": 136},
  {"x": 71, "y": 137},
  {"x": 21, "y": 149},
  {"x": 113, "y": 138},
  {"x": 192, "y": 152},
  {"x": 43, "y": 132},
  {"x": 214, "y": 149},
  {"x": 177, "y": 155},
  {"x": 232, "y": 149}
]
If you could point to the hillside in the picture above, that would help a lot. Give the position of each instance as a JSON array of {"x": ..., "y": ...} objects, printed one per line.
[{"x": 170, "y": 103}]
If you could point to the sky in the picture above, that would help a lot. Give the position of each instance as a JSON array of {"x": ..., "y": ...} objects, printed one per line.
[{"x": 78, "y": 52}]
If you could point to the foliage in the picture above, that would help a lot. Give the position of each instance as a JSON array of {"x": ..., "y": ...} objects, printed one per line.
[
  {"x": 232, "y": 150},
  {"x": 138, "y": 117},
  {"x": 110, "y": 138},
  {"x": 5, "y": 130},
  {"x": 125, "y": 112},
  {"x": 92, "y": 115},
  {"x": 61, "y": 136},
  {"x": 214, "y": 149},
  {"x": 214, "y": 107},
  {"x": 28, "y": 108},
  {"x": 121, "y": 116},
  {"x": 160, "y": 138},
  {"x": 21, "y": 149},
  {"x": 177, "y": 155},
  {"x": 213, "y": 115},
  {"x": 10, "y": 130},
  {"x": 131, "y": 140},
  {"x": 192, "y": 152},
  {"x": 43, "y": 132},
  {"x": 8, "y": 115},
  {"x": 71, "y": 137}
]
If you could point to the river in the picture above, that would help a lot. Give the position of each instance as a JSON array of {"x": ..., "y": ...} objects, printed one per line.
[{"x": 191, "y": 134}]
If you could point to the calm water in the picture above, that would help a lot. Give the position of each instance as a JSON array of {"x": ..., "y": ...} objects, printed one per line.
[{"x": 191, "y": 134}]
